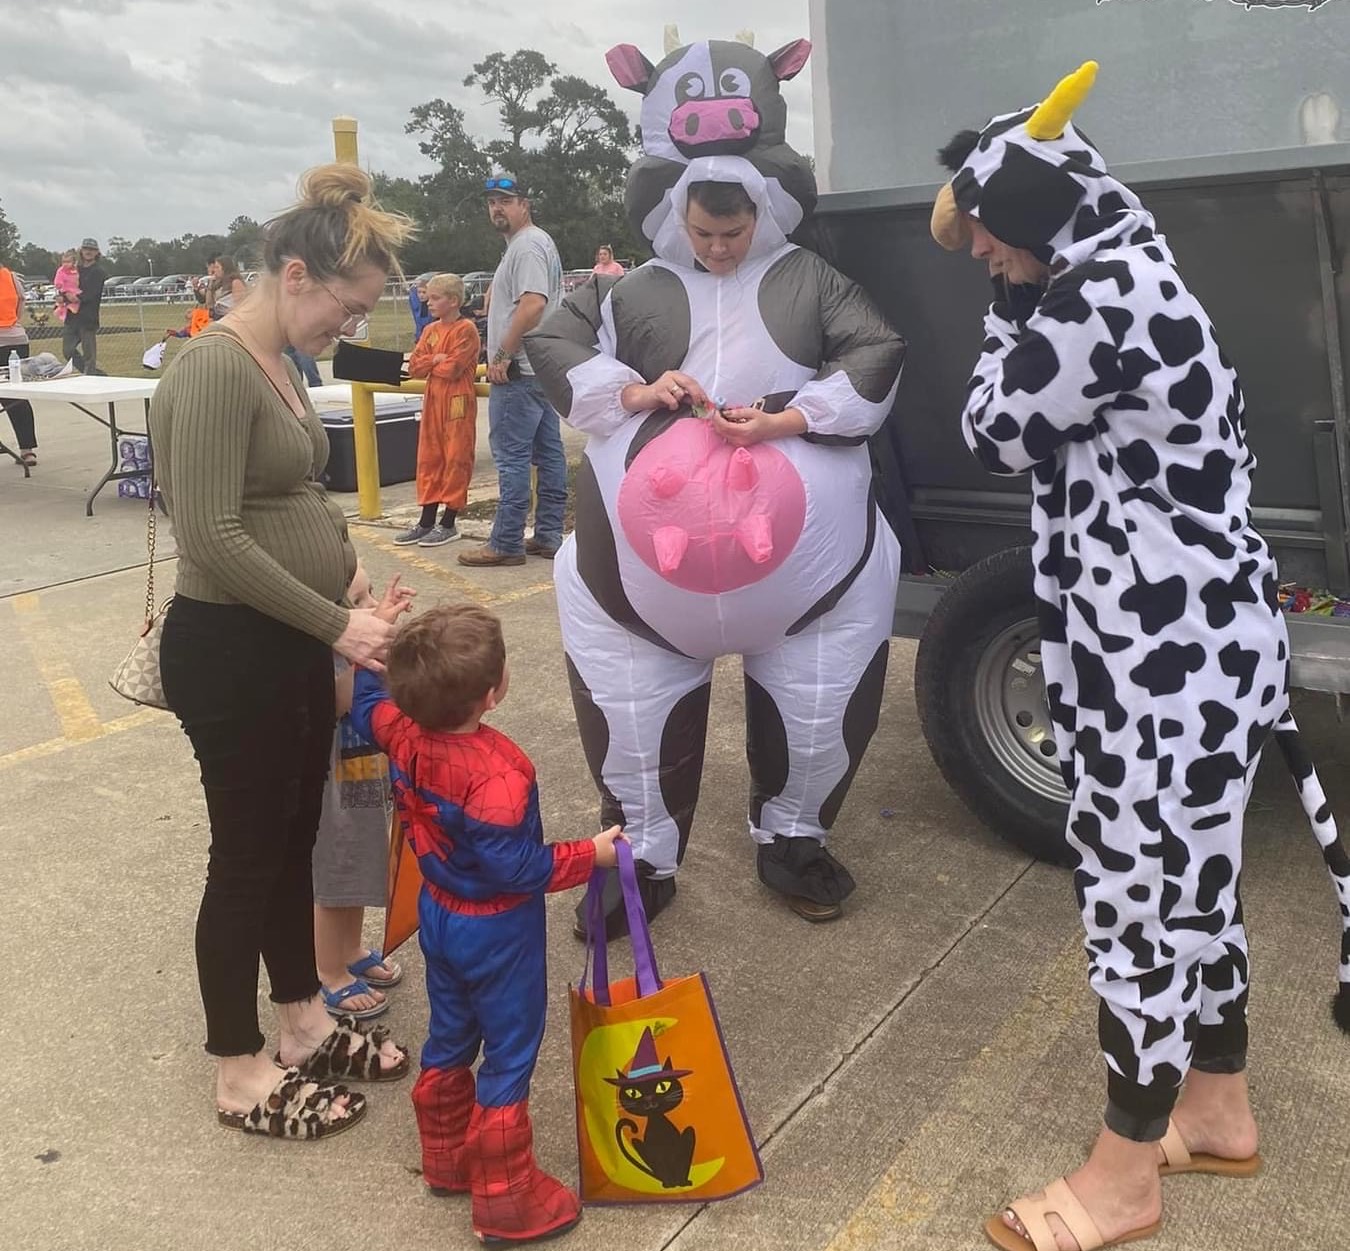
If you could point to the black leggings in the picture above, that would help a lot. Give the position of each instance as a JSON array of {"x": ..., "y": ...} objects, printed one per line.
[
  {"x": 20, "y": 411},
  {"x": 256, "y": 700}
]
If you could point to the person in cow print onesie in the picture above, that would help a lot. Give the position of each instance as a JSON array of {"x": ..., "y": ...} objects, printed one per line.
[
  {"x": 725, "y": 504},
  {"x": 1164, "y": 652}
]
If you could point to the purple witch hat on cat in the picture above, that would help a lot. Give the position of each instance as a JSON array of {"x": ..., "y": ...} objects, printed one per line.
[{"x": 646, "y": 1066}]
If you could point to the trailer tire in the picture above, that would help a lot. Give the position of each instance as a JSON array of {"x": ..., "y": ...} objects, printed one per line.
[{"x": 981, "y": 701}]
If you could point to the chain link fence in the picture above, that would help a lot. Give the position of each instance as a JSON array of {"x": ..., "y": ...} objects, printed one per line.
[{"x": 130, "y": 324}]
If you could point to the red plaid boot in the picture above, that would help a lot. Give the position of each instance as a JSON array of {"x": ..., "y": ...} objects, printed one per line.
[
  {"x": 514, "y": 1200},
  {"x": 444, "y": 1101}
]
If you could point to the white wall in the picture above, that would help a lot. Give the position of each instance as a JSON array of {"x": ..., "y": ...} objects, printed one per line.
[{"x": 894, "y": 79}]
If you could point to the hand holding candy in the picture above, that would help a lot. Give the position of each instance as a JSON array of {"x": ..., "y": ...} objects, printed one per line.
[{"x": 670, "y": 390}]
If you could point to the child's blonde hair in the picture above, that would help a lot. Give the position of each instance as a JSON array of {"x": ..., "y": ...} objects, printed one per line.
[
  {"x": 68, "y": 256},
  {"x": 447, "y": 284}
]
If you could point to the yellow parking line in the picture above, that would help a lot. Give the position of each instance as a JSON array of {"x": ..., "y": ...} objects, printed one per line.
[
  {"x": 142, "y": 716},
  {"x": 465, "y": 586},
  {"x": 79, "y": 721},
  {"x": 929, "y": 1168}
]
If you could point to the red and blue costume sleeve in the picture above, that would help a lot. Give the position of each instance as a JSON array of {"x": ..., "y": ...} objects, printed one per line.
[{"x": 469, "y": 804}]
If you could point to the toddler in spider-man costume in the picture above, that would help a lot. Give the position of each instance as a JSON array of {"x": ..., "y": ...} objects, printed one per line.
[{"x": 469, "y": 804}]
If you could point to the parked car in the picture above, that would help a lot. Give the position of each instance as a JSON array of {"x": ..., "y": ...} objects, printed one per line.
[
  {"x": 172, "y": 284},
  {"x": 141, "y": 287},
  {"x": 575, "y": 278},
  {"x": 117, "y": 284},
  {"x": 476, "y": 284}
]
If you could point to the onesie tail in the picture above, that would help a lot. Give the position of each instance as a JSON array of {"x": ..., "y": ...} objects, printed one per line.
[
  {"x": 514, "y": 1200},
  {"x": 1318, "y": 810}
]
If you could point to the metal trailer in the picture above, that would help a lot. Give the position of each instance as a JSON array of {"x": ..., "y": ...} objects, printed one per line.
[{"x": 1261, "y": 238}]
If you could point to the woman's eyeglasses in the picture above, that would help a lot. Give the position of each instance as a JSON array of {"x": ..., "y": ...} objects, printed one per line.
[{"x": 356, "y": 322}]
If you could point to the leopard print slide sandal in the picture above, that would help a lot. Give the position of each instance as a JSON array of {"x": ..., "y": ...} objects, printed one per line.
[
  {"x": 351, "y": 1053},
  {"x": 1177, "y": 1159},
  {"x": 300, "y": 1109},
  {"x": 1034, "y": 1214}
]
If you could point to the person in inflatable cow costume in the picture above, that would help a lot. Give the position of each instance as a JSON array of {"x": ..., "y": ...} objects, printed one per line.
[
  {"x": 729, "y": 387},
  {"x": 1165, "y": 655}
]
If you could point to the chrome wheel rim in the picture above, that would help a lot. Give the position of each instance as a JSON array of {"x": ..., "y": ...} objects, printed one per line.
[{"x": 1013, "y": 714}]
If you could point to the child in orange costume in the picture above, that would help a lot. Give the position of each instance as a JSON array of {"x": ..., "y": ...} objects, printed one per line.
[{"x": 447, "y": 357}]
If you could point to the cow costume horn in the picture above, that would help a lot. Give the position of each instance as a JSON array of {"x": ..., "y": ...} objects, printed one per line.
[
  {"x": 1053, "y": 113},
  {"x": 1046, "y": 124}
]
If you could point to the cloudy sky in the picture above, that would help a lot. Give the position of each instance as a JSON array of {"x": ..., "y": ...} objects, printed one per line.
[{"x": 161, "y": 117}]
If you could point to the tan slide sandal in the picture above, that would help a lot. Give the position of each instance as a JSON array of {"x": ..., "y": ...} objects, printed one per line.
[
  {"x": 1062, "y": 1202},
  {"x": 1176, "y": 1159}
]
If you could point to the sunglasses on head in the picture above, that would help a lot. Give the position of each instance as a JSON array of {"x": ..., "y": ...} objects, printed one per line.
[{"x": 502, "y": 184}]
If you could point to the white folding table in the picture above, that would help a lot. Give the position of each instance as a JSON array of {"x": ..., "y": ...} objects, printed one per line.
[{"x": 79, "y": 391}]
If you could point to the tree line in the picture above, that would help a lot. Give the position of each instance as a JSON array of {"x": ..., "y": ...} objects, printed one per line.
[{"x": 563, "y": 136}]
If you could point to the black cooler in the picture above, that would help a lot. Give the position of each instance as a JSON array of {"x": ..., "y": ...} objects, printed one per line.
[{"x": 396, "y": 427}]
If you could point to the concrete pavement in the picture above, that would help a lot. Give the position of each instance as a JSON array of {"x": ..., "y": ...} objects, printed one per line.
[{"x": 906, "y": 1070}]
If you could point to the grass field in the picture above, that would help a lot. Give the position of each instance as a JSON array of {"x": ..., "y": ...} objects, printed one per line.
[{"x": 128, "y": 329}]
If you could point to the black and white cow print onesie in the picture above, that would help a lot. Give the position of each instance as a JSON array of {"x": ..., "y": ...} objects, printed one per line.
[
  {"x": 1165, "y": 655},
  {"x": 687, "y": 549}
]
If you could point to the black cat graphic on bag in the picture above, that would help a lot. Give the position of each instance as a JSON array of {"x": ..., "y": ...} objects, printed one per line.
[{"x": 652, "y": 1090}]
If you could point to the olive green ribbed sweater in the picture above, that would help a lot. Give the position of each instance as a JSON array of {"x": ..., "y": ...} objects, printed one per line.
[{"x": 238, "y": 471}]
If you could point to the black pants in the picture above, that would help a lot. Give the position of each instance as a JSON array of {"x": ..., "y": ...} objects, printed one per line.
[
  {"x": 79, "y": 343},
  {"x": 20, "y": 411},
  {"x": 255, "y": 698}
]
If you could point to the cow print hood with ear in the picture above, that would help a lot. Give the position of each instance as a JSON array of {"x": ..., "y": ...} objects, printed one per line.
[{"x": 1052, "y": 195}]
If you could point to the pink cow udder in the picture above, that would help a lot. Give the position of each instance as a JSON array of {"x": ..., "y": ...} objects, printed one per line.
[{"x": 708, "y": 517}]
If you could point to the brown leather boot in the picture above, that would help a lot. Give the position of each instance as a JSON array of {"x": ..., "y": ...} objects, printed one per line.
[{"x": 489, "y": 555}]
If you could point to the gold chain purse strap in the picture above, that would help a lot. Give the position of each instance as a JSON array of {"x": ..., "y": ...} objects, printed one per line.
[{"x": 150, "y": 550}]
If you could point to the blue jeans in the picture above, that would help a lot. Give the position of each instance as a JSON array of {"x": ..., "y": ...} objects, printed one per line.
[
  {"x": 306, "y": 364},
  {"x": 523, "y": 430}
]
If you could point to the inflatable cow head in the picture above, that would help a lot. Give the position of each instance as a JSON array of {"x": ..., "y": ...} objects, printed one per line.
[{"x": 705, "y": 107}]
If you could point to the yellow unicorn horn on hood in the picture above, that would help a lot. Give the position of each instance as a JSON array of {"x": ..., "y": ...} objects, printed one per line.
[{"x": 1053, "y": 113}]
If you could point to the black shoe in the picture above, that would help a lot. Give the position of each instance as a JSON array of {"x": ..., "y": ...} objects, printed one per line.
[
  {"x": 656, "y": 893},
  {"x": 812, "y": 881}
]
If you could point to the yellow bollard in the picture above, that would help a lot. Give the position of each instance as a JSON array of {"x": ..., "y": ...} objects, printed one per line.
[
  {"x": 366, "y": 451},
  {"x": 363, "y": 401},
  {"x": 344, "y": 140}
]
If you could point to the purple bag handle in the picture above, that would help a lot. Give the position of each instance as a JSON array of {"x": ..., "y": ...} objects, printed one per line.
[{"x": 597, "y": 955}]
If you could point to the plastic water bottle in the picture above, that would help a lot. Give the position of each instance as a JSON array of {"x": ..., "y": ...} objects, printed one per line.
[{"x": 15, "y": 368}]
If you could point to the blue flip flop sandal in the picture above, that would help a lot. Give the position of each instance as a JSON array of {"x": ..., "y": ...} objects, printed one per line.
[
  {"x": 335, "y": 1001},
  {"x": 373, "y": 960}
]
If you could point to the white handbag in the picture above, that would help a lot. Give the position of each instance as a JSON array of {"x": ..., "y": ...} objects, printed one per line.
[{"x": 137, "y": 678}]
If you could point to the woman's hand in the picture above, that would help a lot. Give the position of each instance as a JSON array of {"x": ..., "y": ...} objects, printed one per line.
[
  {"x": 742, "y": 427},
  {"x": 395, "y": 601},
  {"x": 670, "y": 390},
  {"x": 365, "y": 641}
]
